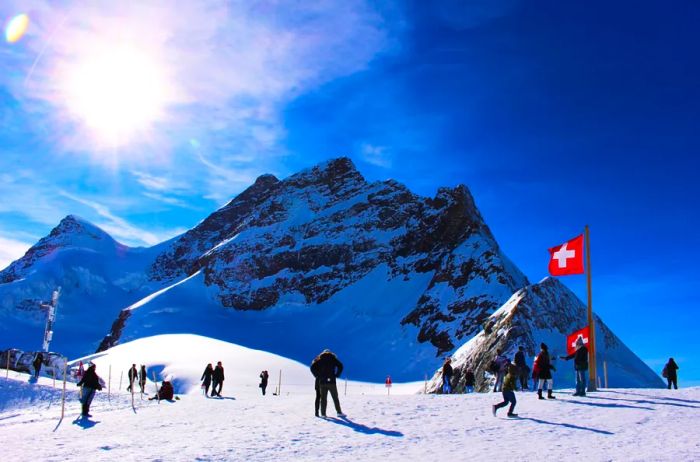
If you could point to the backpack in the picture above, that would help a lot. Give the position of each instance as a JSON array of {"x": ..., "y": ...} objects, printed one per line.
[
  {"x": 494, "y": 366},
  {"x": 664, "y": 372}
]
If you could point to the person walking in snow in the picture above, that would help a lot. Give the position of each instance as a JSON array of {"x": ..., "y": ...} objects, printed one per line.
[
  {"x": 263, "y": 381},
  {"x": 543, "y": 369},
  {"x": 469, "y": 381},
  {"x": 91, "y": 384},
  {"x": 523, "y": 369},
  {"x": 509, "y": 386},
  {"x": 447, "y": 373},
  {"x": 580, "y": 357},
  {"x": 142, "y": 378},
  {"x": 502, "y": 367},
  {"x": 326, "y": 368},
  {"x": 206, "y": 379},
  {"x": 671, "y": 375},
  {"x": 38, "y": 361},
  {"x": 217, "y": 380},
  {"x": 133, "y": 375}
]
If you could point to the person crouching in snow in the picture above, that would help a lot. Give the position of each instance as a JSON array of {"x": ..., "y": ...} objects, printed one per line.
[
  {"x": 580, "y": 357},
  {"x": 90, "y": 383},
  {"x": 166, "y": 391},
  {"x": 447, "y": 376},
  {"x": 508, "y": 391}
]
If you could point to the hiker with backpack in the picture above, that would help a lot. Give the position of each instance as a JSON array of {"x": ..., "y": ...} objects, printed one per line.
[
  {"x": 263, "y": 381},
  {"x": 523, "y": 369},
  {"x": 670, "y": 374},
  {"x": 499, "y": 366},
  {"x": 509, "y": 386},
  {"x": 580, "y": 357},
  {"x": 91, "y": 384},
  {"x": 543, "y": 370},
  {"x": 206, "y": 379},
  {"x": 447, "y": 373}
]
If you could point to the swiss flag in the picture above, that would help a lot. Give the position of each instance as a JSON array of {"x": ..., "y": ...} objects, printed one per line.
[
  {"x": 567, "y": 258},
  {"x": 571, "y": 339}
]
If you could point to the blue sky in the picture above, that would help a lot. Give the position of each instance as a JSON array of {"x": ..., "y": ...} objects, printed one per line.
[{"x": 554, "y": 114}]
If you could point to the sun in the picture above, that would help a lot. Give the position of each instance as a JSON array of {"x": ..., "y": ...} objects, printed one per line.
[{"x": 117, "y": 93}]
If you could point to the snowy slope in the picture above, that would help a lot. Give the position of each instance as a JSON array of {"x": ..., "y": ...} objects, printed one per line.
[
  {"x": 620, "y": 425},
  {"x": 97, "y": 275},
  {"x": 547, "y": 312}
]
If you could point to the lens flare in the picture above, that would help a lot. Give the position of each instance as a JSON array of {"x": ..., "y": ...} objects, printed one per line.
[{"x": 16, "y": 28}]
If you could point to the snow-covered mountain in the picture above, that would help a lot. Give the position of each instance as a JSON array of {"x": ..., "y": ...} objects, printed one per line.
[
  {"x": 389, "y": 280},
  {"x": 546, "y": 312}
]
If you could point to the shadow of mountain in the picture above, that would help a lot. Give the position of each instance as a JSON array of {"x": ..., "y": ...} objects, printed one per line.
[
  {"x": 567, "y": 425},
  {"x": 360, "y": 428},
  {"x": 609, "y": 405}
]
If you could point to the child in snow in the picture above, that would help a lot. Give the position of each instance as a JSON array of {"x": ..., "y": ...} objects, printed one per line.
[{"x": 508, "y": 391}]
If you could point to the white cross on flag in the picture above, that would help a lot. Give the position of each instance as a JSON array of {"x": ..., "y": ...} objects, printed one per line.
[
  {"x": 572, "y": 338},
  {"x": 567, "y": 258}
]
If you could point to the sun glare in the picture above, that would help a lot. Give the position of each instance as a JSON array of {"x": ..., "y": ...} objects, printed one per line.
[
  {"x": 117, "y": 94},
  {"x": 16, "y": 28}
]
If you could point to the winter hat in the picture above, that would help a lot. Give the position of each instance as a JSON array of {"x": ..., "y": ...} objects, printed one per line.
[
  {"x": 326, "y": 351},
  {"x": 543, "y": 346},
  {"x": 579, "y": 342}
]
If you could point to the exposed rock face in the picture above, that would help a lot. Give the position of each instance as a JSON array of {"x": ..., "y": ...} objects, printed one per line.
[
  {"x": 544, "y": 312},
  {"x": 325, "y": 228}
]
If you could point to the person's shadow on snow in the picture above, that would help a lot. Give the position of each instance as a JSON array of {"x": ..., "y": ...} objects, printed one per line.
[
  {"x": 568, "y": 425},
  {"x": 363, "y": 428},
  {"x": 85, "y": 423}
]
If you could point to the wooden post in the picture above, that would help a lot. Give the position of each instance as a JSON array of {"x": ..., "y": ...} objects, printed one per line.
[
  {"x": 156, "y": 383},
  {"x": 121, "y": 376},
  {"x": 109, "y": 384},
  {"x": 346, "y": 386},
  {"x": 279, "y": 384},
  {"x": 63, "y": 394},
  {"x": 591, "y": 322},
  {"x": 605, "y": 372},
  {"x": 132, "y": 396}
]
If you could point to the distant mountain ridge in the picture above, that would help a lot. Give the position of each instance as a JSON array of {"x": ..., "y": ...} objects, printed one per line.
[{"x": 323, "y": 258}]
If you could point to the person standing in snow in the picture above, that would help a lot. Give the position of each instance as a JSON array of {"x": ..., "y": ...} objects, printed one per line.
[
  {"x": 469, "y": 381},
  {"x": 218, "y": 380},
  {"x": 509, "y": 386},
  {"x": 142, "y": 378},
  {"x": 91, "y": 384},
  {"x": 317, "y": 386},
  {"x": 263, "y": 381},
  {"x": 580, "y": 357},
  {"x": 133, "y": 375},
  {"x": 671, "y": 375},
  {"x": 523, "y": 369},
  {"x": 38, "y": 361},
  {"x": 206, "y": 379},
  {"x": 326, "y": 368},
  {"x": 543, "y": 369},
  {"x": 502, "y": 367},
  {"x": 447, "y": 373}
]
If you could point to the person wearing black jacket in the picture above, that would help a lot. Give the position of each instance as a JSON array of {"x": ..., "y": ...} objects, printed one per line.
[
  {"x": 90, "y": 383},
  {"x": 543, "y": 369},
  {"x": 38, "y": 361},
  {"x": 523, "y": 369},
  {"x": 142, "y": 378},
  {"x": 217, "y": 380},
  {"x": 580, "y": 357},
  {"x": 326, "y": 368},
  {"x": 447, "y": 373},
  {"x": 263, "y": 381},
  {"x": 671, "y": 375},
  {"x": 206, "y": 379},
  {"x": 133, "y": 375},
  {"x": 469, "y": 381}
]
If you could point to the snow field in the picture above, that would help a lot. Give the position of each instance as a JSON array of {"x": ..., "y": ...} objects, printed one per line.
[{"x": 622, "y": 424}]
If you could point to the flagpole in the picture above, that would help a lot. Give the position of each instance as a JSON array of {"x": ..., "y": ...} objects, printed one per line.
[{"x": 591, "y": 322}]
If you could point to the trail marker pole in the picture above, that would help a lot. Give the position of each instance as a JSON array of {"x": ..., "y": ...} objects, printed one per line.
[
  {"x": 605, "y": 373},
  {"x": 156, "y": 383},
  {"x": 346, "y": 386},
  {"x": 109, "y": 384},
  {"x": 132, "y": 396},
  {"x": 279, "y": 384},
  {"x": 63, "y": 394},
  {"x": 121, "y": 376}
]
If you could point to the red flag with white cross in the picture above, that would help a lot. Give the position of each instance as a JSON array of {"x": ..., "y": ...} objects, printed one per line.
[
  {"x": 571, "y": 339},
  {"x": 567, "y": 258}
]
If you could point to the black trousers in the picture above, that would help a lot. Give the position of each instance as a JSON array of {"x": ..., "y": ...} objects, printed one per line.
[
  {"x": 674, "y": 381},
  {"x": 325, "y": 388},
  {"x": 317, "y": 404},
  {"x": 216, "y": 387}
]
